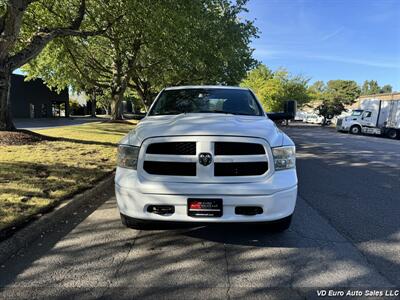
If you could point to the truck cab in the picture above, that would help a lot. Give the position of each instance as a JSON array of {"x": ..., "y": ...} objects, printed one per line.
[
  {"x": 374, "y": 117},
  {"x": 358, "y": 120}
]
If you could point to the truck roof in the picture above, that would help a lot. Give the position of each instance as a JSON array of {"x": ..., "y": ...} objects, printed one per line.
[{"x": 182, "y": 87}]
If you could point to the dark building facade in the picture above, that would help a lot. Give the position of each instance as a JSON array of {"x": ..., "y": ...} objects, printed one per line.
[{"x": 33, "y": 99}]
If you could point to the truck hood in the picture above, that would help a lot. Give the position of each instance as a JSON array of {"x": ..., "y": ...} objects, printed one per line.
[{"x": 207, "y": 124}]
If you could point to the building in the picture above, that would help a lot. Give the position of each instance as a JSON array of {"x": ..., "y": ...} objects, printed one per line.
[
  {"x": 33, "y": 99},
  {"x": 386, "y": 96}
]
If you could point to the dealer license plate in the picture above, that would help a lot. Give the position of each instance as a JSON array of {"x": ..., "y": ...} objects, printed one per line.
[{"x": 204, "y": 208}]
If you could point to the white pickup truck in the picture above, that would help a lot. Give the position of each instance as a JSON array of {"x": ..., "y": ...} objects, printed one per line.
[
  {"x": 206, "y": 154},
  {"x": 379, "y": 117}
]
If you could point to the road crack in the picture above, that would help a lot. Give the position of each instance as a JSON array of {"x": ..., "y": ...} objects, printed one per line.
[
  {"x": 120, "y": 265},
  {"x": 228, "y": 280}
]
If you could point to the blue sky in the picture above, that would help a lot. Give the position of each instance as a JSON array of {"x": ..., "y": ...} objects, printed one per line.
[{"x": 330, "y": 39}]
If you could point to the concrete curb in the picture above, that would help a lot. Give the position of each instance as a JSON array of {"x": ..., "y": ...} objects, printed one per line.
[{"x": 28, "y": 234}]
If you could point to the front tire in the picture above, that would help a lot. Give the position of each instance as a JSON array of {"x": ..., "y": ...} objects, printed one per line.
[
  {"x": 133, "y": 223},
  {"x": 279, "y": 225},
  {"x": 392, "y": 134},
  {"x": 355, "y": 129}
]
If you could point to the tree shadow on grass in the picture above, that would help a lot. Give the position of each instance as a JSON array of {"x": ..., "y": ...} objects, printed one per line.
[{"x": 28, "y": 186}]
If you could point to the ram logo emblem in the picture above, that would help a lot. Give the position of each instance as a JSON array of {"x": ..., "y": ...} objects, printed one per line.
[{"x": 205, "y": 158}]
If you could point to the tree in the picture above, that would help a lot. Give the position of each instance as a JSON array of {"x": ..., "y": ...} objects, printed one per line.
[
  {"x": 374, "y": 87},
  {"x": 344, "y": 91},
  {"x": 164, "y": 45},
  {"x": 330, "y": 108},
  {"x": 337, "y": 95},
  {"x": 365, "y": 88},
  {"x": 317, "y": 87},
  {"x": 274, "y": 88},
  {"x": 316, "y": 91},
  {"x": 387, "y": 88},
  {"x": 26, "y": 27},
  {"x": 370, "y": 87},
  {"x": 295, "y": 88}
]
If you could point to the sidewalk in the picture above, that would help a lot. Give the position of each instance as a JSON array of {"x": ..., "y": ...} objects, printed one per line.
[{"x": 53, "y": 122}]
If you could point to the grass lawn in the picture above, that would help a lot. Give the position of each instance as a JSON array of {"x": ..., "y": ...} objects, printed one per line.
[{"x": 36, "y": 176}]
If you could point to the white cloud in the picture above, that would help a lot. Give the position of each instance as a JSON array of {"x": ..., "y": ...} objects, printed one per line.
[
  {"x": 268, "y": 53},
  {"x": 332, "y": 34},
  {"x": 373, "y": 63}
]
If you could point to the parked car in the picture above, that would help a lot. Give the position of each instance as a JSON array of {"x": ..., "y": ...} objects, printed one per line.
[
  {"x": 314, "y": 119},
  {"x": 300, "y": 116},
  {"x": 375, "y": 116},
  {"x": 206, "y": 154}
]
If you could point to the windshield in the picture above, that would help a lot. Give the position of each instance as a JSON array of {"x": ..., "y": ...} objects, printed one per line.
[
  {"x": 357, "y": 113},
  {"x": 225, "y": 101}
]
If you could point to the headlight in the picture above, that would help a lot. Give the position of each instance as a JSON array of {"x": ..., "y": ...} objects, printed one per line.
[
  {"x": 127, "y": 156},
  {"x": 284, "y": 157}
]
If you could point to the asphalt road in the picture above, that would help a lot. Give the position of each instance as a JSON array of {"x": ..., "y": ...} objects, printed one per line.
[
  {"x": 346, "y": 233},
  {"x": 354, "y": 183}
]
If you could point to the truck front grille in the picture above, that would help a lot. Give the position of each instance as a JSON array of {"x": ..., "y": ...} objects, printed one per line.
[
  {"x": 339, "y": 122},
  {"x": 240, "y": 169},
  {"x": 234, "y": 159}
]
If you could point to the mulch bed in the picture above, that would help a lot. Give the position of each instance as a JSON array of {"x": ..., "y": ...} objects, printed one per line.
[{"x": 21, "y": 137}]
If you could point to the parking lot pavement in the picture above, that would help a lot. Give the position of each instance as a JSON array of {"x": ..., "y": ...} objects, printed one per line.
[
  {"x": 345, "y": 233},
  {"x": 99, "y": 257},
  {"x": 354, "y": 183}
]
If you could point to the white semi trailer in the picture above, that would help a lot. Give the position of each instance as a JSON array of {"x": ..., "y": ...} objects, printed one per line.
[{"x": 379, "y": 117}]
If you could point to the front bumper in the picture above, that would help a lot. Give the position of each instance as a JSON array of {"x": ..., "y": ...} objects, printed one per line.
[
  {"x": 276, "y": 196},
  {"x": 342, "y": 127}
]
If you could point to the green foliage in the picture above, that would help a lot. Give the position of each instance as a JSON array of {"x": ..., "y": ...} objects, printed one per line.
[
  {"x": 316, "y": 91},
  {"x": 329, "y": 108},
  {"x": 344, "y": 91},
  {"x": 371, "y": 87},
  {"x": 152, "y": 44},
  {"x": 386, "y": 89},
  {"x": 274, "y": 88},
  {"x": 49, "y": 14},
  {"x": 73, "y": 105},
  {"x": 335, "y": 96}
]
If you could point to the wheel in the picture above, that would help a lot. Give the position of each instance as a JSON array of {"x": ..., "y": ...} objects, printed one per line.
[
  {"x": 133, "y": 223},
  {"x": 278, "y": 225},
  {"x": 355, "y": 129},
  {"x": 392, "y": 134}
]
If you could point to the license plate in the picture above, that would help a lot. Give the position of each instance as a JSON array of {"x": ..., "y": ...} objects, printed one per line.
[{"x": 204, "y": 208}]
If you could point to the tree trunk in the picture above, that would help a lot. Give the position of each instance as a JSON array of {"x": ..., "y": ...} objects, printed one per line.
[
  {"x": 116, "y": 112},
  {"x": 93, "y": 105},
  {"x": 144, "y": 95},
  {"x": 6, "y": 122}
]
